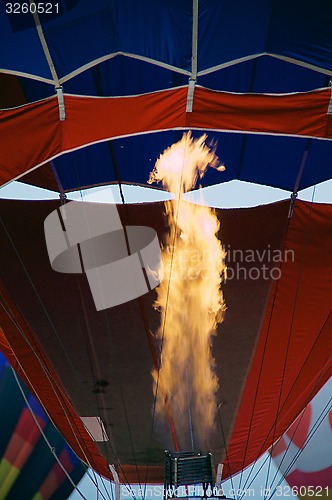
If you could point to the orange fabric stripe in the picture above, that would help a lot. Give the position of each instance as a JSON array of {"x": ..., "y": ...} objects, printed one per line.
[{"x": 292, "y": 316}]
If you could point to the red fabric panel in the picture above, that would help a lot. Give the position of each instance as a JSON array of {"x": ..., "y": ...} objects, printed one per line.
[
  {"x": 88, "y": 120},
  {"x": 290, "y": 114},
  {"x": 93, "y": 119},
  {"x": 25, "y": 348},
  {"x": 19, "y": 450},
  {"x": 319, "y": 478},
  {"x": 29, "y": 136},
  {"x": 26, "y": 427},
  {"x": 97, "y": 119},
  {"x": 296, "y": 336}
]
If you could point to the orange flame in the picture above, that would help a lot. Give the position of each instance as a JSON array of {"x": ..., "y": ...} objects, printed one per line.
[{"x": 189, "y": 295}]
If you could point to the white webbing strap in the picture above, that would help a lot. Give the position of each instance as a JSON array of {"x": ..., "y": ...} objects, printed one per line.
[
  {"x": 329, "y": 111},
  {"x": 190, "y": 95},
  {"x": 219, "y": 475},
  {"x": 61, "y": 103},
  {"x": 116, "y": 481},
  {"x": 193, "y": 76},
  {"x": 59, "y": 91}
]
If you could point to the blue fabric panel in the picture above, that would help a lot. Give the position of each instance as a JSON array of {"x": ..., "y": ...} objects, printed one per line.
[
  {"x": 157, "y": 30},
  {"x": 20, "y": 45},
  {"x": 36, "y": 408},
  {"x": 318, "y": 166},
  {"x": 231, "y": 30},
  {"x": 3, "y": 364},
  {"x": 302, "y": 30},
  {"x": 85, "y": 31},
  {"x": 122, "y": 76},
  {"x": 35, "y": 90},
  {"x": 275, "y": 161},
  {"x": 137, "y": 77},
  {"x": 85, "y": 167},
  {"x": 264, "y": 75},
  {"x": 296, "y": 29},
  {"x": 268, "y": 160},
  {"x": 271, "y": 160},
  {"x": 135, "y": 158},
  {"x": 118, "y": 76}
]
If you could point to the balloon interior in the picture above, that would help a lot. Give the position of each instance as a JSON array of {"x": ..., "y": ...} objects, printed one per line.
[
  {"x": 103, "y": 359},
  {"x": 220, "y": 334}
]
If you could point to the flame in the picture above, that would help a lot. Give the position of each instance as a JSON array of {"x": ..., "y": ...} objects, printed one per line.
[{"x": 189, "y": 295}]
